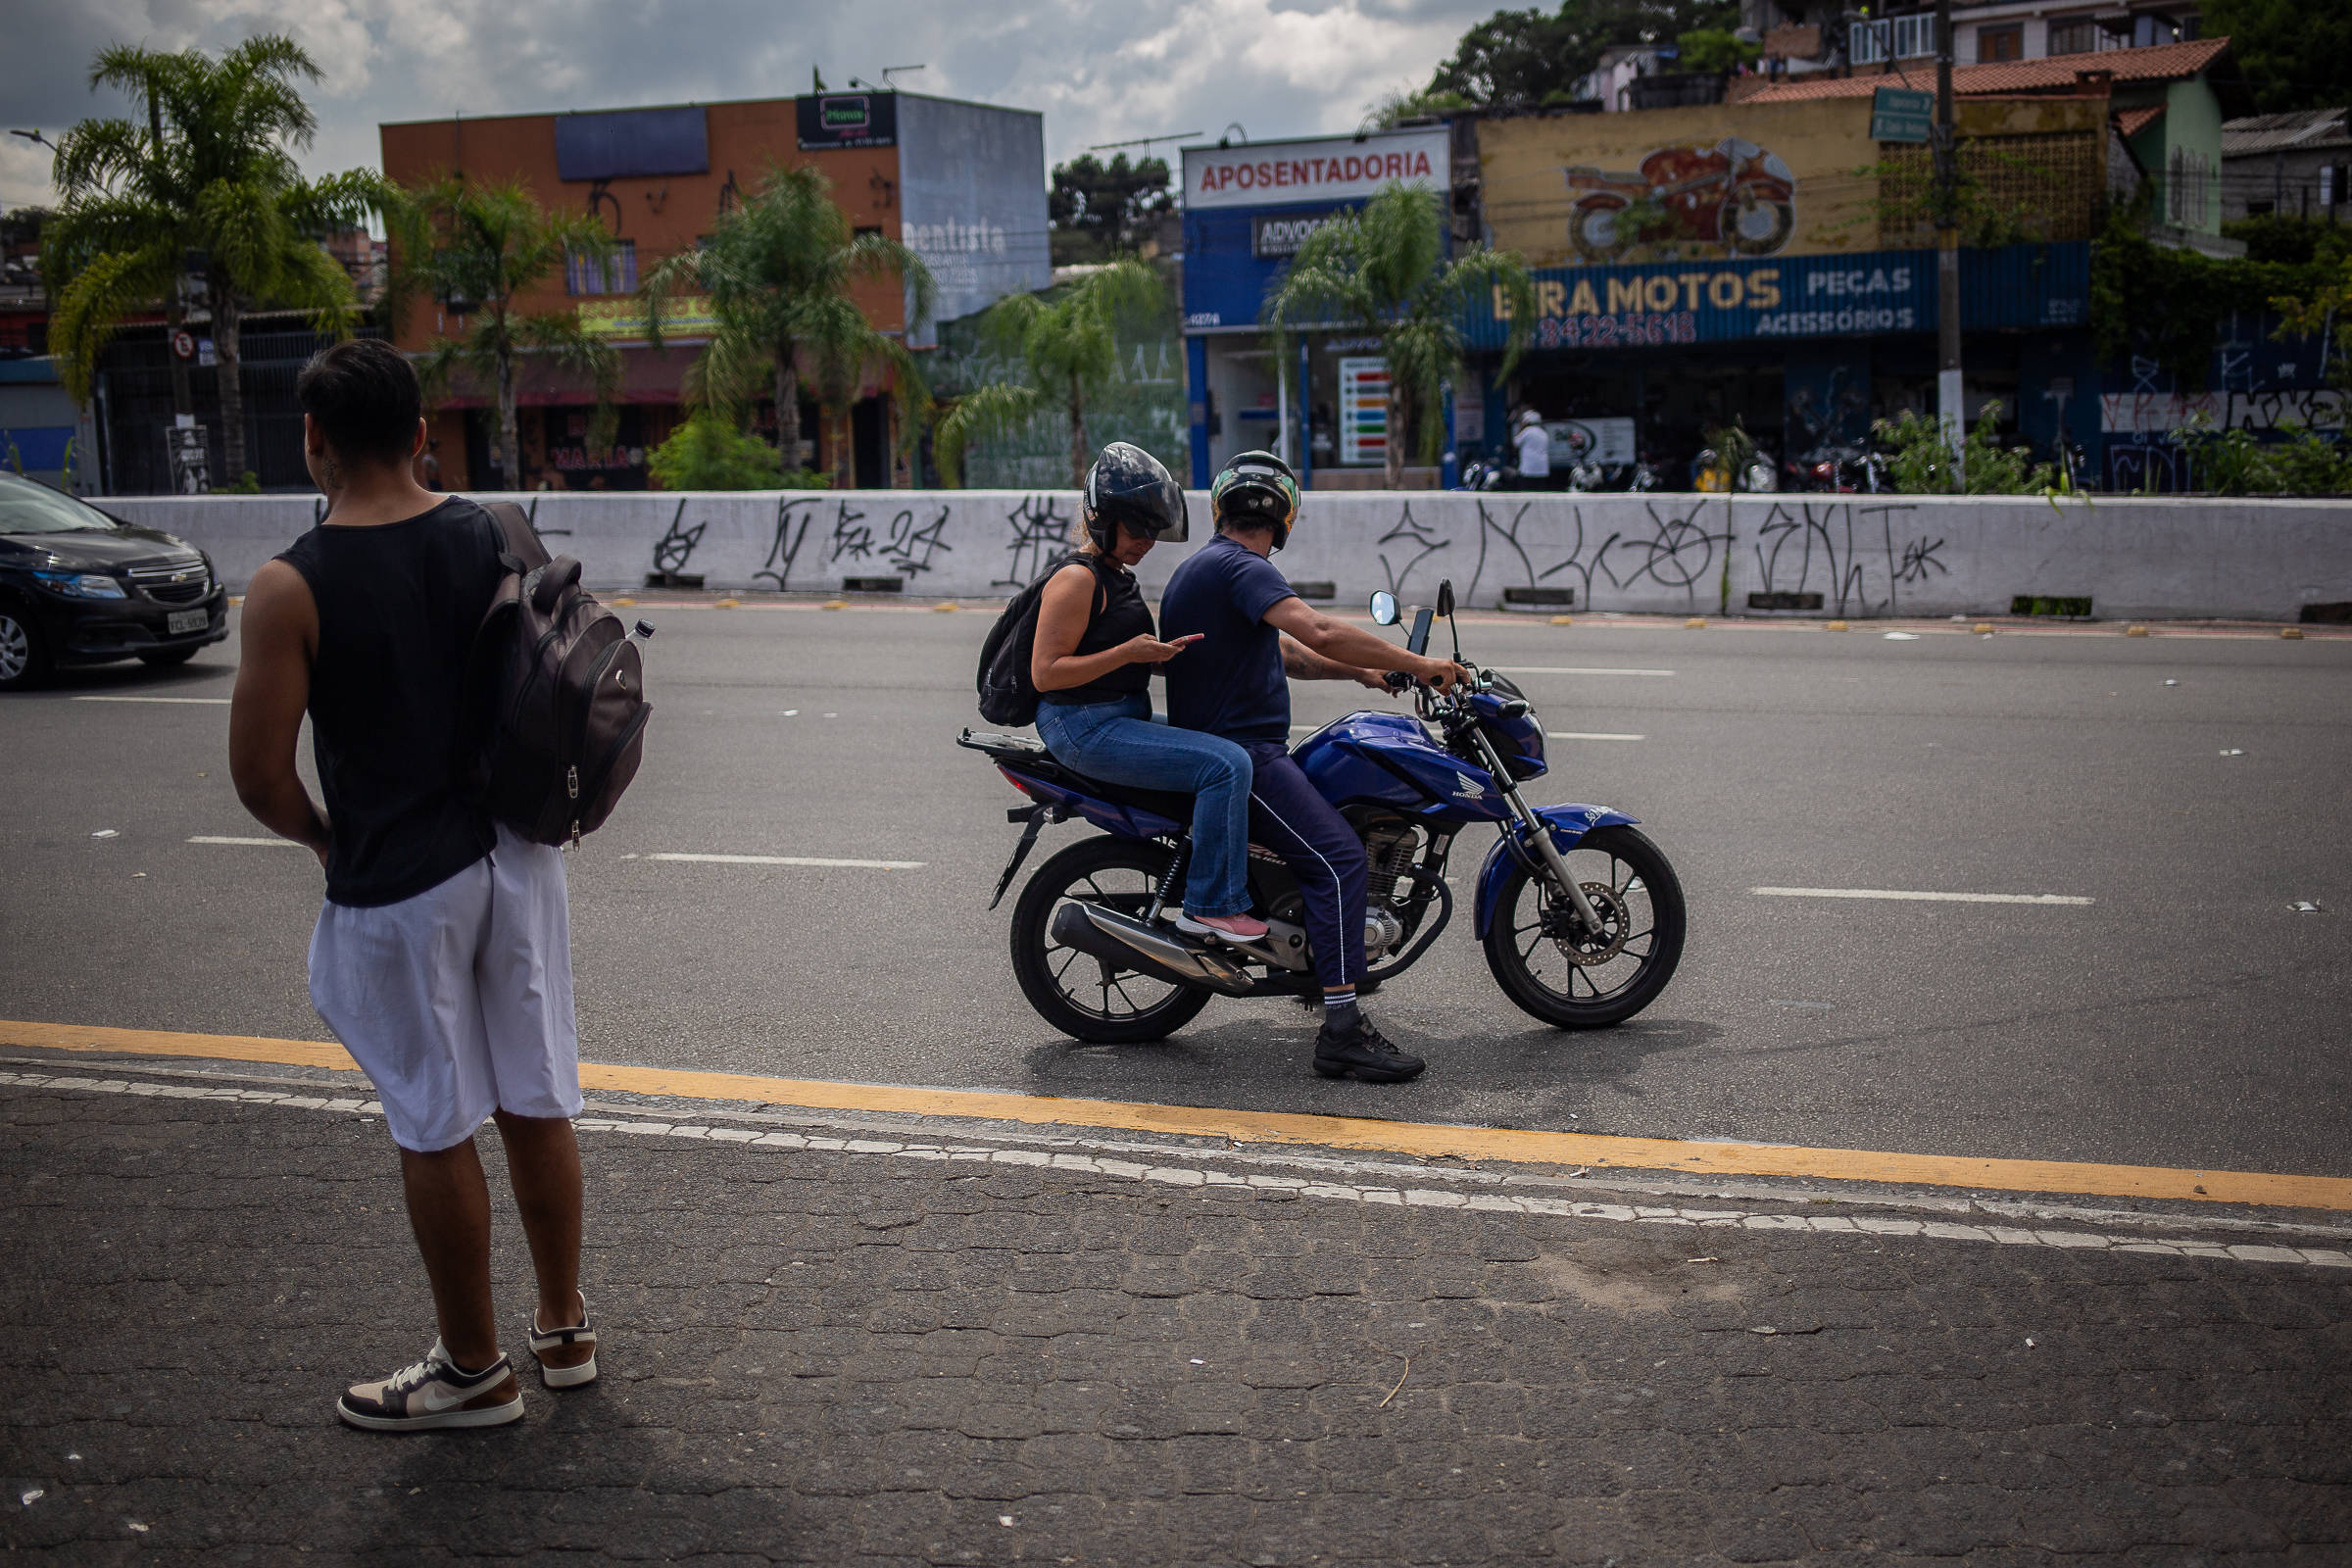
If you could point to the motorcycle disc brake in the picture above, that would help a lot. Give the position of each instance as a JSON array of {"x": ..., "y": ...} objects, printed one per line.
[{"x": 1581, "y": 947}]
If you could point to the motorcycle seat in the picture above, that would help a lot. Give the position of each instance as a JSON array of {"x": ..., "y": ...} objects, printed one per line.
[{"x": 1025, "y": 756}]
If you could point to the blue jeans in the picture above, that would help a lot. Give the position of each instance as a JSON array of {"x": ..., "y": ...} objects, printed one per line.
[{"x": 1119, "y": 743}]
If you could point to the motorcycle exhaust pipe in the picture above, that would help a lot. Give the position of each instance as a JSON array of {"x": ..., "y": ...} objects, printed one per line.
[{"x": 1133, "y": 945}]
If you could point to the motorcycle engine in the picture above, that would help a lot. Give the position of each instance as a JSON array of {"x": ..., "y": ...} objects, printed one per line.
[{"x": 1390, "y": 846}]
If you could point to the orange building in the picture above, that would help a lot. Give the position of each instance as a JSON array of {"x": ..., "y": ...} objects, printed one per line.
[{"x": 963, "y": 184}]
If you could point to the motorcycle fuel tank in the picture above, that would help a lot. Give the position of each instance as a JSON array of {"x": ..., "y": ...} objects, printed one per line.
[{"x": 1388, "y": 759}]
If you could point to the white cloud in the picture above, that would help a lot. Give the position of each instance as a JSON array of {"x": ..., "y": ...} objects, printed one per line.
[{"x": 1098, "y": 71}]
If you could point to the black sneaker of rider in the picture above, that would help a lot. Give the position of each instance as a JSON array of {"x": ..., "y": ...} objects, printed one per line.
[{"x": 1367, "y": 1053}]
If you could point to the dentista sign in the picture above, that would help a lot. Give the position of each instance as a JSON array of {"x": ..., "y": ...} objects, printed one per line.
[{"x": 1330, "y": 168}]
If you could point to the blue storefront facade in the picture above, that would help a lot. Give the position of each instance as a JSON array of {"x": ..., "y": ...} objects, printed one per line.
[
  {"x": 1804, "y": 352},
  {"x": 1247, "y": 208}
]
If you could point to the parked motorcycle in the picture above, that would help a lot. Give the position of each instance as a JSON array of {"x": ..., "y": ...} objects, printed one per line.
[{"x": 1581, "y": 917}]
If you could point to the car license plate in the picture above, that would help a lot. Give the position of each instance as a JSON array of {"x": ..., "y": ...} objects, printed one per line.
[{"x": 182, "y": 621}]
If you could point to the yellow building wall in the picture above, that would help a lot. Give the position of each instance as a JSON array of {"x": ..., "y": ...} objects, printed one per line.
[{"x": 1534, "y": 170}]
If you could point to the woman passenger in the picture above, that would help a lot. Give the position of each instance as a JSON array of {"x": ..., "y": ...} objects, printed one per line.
[{"x": 1092, "y": 666}]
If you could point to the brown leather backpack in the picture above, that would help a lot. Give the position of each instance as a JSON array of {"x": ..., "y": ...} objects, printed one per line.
[{"x": 561, "y": 691}]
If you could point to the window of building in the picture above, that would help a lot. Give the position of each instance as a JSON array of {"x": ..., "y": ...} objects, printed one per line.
[
  {"x": 2077, "y": 35},
  {"x": 1996, "y": 44},
  {"x": 616, "y": 274},
  {"x": 2148, "y": 31},
  {"x": 2185, "y": 197},
  {"x": 1894, "y": 38}
]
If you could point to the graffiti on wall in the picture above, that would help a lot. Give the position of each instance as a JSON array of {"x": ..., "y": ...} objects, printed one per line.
[
  {"x": 1846, "y": 552},
  {"x": 1040, "y": 529}
]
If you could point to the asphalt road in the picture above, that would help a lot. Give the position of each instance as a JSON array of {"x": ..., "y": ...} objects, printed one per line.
[{"x": 2186, "y": 1017}]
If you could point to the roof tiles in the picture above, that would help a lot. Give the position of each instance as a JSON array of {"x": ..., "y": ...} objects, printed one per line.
[{"x": 2167, "y": 62}]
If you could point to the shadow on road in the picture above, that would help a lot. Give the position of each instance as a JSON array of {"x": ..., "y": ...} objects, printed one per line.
[{"x": 1263, "y": 1063}]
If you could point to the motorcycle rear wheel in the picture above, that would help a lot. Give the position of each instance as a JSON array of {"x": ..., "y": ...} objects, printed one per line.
[
  {"x": 1084, "y": 996},
  {"x": 1644, "y": 908}
]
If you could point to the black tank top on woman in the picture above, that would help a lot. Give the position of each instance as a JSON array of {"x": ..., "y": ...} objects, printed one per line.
[
  {"x": 398, "y": 606},
  {"x": 1119, "y": 612}
]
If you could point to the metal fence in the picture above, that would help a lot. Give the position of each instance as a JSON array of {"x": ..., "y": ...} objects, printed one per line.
[{"x": 134, "y": 404}]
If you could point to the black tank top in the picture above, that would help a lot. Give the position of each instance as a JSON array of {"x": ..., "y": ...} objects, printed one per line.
[
  {"x": 1119, "y": 613},
  {"x": 398, "y": 606}
]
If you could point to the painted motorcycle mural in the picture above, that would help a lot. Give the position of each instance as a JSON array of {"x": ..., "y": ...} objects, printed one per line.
[{"x": 1734, "y": 194}]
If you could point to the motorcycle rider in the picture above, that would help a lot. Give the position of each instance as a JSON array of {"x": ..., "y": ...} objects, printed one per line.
[
  {"x": 1256, "y": 631},
  {"x": 1092, "y": 666}
]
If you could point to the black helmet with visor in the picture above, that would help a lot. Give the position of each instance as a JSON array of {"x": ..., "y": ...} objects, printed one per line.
[{"x": 1129, "y": 488}]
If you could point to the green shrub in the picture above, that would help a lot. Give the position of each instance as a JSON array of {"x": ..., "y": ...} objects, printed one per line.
[
  {"x": 1919, "y": 464},
  {"x": 2233, "y": 462},
  {"x": 708, "y": 453}
]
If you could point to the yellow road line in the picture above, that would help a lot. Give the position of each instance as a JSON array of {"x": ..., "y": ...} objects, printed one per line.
[{"x": 1428, "y": 1140}]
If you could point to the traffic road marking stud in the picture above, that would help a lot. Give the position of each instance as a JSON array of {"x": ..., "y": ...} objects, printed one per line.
[
  {"x": 1926, "y": 897},
  {"x": 1425, "y": 1139},
  {"x": 1696, "y": 623},
  {"x": 1563, "y": 621},
  {"x": 2136, "y": 631},
  {"x": 2293, "y": 634},
  {"x": 1834, "y": 625}
]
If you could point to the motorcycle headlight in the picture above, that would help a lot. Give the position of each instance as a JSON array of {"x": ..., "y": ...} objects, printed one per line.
[{"x": 80, "y": 585}]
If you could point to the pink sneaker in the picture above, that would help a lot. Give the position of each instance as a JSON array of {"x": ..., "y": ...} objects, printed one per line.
[{"x": 1239, "y": 927}]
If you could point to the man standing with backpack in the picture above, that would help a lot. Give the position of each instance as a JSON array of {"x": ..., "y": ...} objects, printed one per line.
[{"x": 442, "y": 955}]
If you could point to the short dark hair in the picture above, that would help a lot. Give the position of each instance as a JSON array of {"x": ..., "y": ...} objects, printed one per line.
[{"x": 363, "y": 392}]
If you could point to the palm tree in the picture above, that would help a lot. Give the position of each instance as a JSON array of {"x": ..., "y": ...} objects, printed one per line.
[
  {"x": 778, "y": 272},
  {"x": 1068, "y": 345},
  {"x": 210, "y": 175},
  {"x": 476, "y": 249},
  {"x": 1382, "y": 273}
]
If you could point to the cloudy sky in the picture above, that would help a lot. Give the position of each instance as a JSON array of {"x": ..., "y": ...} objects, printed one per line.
[{"x": 1101, "y": 71}]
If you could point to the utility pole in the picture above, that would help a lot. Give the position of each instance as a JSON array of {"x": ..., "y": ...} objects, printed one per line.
[{"x": 1950, "y": 409}]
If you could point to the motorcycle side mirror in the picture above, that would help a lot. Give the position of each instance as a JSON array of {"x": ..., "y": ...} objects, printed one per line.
[
  {"x": 1445, "y": 596},
  {"x": 1384, "y": 609}
]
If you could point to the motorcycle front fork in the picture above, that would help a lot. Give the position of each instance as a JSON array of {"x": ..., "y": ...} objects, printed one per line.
[{"x": 1538, "y": 833}]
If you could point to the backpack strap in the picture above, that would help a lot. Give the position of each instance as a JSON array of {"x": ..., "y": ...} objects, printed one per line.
[{"x": 519, "y": 547}]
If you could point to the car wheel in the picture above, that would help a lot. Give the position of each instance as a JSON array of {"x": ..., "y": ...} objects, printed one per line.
[
  {"x": 23, "y": 660},
  {"x": 165, "y": 657}
]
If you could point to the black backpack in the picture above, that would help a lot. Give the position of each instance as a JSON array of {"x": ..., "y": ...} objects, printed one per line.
[
  {"x": 559, "y": 694},
  {"x": 1008, "y": 696}
]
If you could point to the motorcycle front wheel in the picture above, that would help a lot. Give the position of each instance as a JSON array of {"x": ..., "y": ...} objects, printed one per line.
[
  {"x": 1555, "y": 970},
  {"x": 1087, "y": 998}
]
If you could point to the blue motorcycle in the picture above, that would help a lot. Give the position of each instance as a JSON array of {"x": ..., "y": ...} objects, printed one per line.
[{"x": 1579, "y": 914}]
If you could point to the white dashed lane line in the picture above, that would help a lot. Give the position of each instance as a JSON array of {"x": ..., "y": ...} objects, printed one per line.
[
  {"x": 1576, "y": 669},
  {"x": 747, "y": 1139},
  {"x": 781, "y": 859},
  {"x": 195, "y": 701},
  {"x": 1922, "y": 897},
  {"x": 247, "y": 844},
  {"x": 1589, "y": 735}
]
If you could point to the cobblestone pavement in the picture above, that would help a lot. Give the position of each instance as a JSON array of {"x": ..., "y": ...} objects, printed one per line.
[{"x": 840, "y": 1356}]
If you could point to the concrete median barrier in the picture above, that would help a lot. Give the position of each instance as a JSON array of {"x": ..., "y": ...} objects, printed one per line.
[{"x": 1664, "y": 554}]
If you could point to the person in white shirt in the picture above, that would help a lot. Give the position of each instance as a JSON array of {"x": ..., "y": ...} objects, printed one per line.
[{"x": 1533, "y": 444}]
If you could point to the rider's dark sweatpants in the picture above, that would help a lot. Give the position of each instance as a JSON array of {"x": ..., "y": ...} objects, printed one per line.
[{"x": 1323, "y": 852}]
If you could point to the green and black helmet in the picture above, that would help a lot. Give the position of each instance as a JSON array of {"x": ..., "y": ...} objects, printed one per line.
[{"x": 1256, "y": 490}]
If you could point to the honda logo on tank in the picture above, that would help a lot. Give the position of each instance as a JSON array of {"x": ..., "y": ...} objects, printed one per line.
[{"x": 1327, "y": 169}]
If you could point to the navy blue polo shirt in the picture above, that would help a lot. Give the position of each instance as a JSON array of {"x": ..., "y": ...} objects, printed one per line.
[{"x": 1230, "y": 682}]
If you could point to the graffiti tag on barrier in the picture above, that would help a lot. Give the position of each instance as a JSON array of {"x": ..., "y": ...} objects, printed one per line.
[
  {"x": 1039, "y": 529},
  {"x": 1829, "y": 548},
  {"x": 784, "y": 548},
  {"x": 674, "y": 549},
  {"x": 1425, "y": 543},
  {"x": 913, "y": 545}
]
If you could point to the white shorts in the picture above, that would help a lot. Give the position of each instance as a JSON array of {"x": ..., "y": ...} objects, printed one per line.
[{"x": 458, "y": 1002}]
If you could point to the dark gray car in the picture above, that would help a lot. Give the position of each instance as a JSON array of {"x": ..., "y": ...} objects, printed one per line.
[{"x": 79, "y": 587}]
